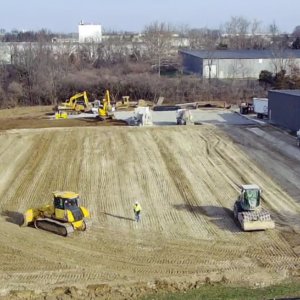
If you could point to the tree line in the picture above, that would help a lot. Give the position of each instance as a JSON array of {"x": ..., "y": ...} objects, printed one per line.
[{"x": 40, "y": 74}]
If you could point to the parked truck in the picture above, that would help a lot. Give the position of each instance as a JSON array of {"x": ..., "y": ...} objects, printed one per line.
[
  {"x": 261, "y": 107},
  {"x": 246, "y": 108}
]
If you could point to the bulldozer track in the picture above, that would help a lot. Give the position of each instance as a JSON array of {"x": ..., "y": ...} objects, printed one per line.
[
  {"x": 54, "y": 227},
  {"x": 186, "y": 179}
]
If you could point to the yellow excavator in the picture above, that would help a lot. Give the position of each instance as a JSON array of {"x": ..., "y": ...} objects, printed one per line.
[
  {"x": 105, "y": 111},
  {"x": 76, "y": 104},
  {"x": 63, "y": 217}
]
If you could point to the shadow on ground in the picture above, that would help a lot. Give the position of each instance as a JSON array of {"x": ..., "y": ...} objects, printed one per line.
[
  {"x": 220, "y": 216},
  {"x": 13, "y": 217},
  {"x": 119, "y": 217}
]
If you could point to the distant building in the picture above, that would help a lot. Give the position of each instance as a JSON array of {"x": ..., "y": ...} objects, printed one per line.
[
  {"x": 5, "y": 54},
  {"x": 238, "y": 63},
  {"x": 89, "y": 33},
  {"x": 284, "y": 108}
]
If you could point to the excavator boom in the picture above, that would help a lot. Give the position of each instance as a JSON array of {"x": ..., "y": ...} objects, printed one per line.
[{"x": 77, "y": 103}]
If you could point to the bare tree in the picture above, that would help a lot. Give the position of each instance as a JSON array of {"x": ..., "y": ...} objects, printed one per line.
[
  {"x": 158, "y": 41},
  {"x": 296, "y": 31},
  {"x": 203, "y": 38},
  {"x": 257, "y": 40},
  {"x": 236, "y": 30}
]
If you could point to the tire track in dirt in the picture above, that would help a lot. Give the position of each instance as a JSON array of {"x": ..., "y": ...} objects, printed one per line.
[{"x": 183, "y": 177}]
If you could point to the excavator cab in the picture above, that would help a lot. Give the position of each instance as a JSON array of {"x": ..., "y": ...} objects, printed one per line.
[{"x": 250, "y": 197}]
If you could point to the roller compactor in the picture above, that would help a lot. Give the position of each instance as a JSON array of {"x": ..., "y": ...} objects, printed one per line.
[{"x": 248, "y": 211}]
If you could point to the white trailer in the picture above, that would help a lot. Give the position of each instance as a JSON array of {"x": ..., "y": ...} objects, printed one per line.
[{"x": 261, "y": 107}]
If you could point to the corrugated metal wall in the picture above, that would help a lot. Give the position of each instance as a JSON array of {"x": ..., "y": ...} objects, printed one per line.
[
  {"x": 284, "y": 110},
  {"x": 234, "y": 68}
]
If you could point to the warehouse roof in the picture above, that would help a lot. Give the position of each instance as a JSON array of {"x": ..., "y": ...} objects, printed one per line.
[
  {"x": 242, "y": 54},
  {"x": 289, "y": 92}
]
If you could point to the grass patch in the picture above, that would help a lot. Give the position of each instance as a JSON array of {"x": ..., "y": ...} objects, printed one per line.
[{"x": 291, "y": 290}]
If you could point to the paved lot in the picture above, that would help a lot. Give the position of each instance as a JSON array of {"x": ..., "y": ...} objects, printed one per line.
[{"x": 207, "y": 116}]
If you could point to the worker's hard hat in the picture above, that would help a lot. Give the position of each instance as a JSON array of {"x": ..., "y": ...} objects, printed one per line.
[{"x": 136, "y": 202}]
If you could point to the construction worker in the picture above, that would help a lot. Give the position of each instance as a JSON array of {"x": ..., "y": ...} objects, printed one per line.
[{"x": 137, "y": 211}]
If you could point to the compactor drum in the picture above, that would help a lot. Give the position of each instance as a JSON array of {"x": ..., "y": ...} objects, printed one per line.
[
  {"x": 248, "y": 211},
  {"x": 63, "y": 217}
]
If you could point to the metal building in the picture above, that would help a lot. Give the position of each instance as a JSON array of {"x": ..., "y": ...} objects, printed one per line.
[
  {"x": 284, "y": 108},
  {"x": 238, "y": 63},
  {"x": 89, "y": 33}
]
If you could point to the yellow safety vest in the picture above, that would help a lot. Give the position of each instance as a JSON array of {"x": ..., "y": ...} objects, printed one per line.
[{"x": 137, "y": 208}]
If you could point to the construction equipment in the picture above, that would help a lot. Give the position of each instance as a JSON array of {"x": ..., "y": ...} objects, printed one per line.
[
  {"x": 298, "y": 138},
  {"x": 184, "y": 117},
  {"x": 125, "y": 103},
  {"x": 63, "y": 217},
  {"x": 76, "y": 104},
  {"x": 246, "y": 108},
  {"x": 142, "y": 117},
  {"x": 105, "y": 110},
  {"x": 61, "y": 115},
  {"x": 248, "y": 211}
]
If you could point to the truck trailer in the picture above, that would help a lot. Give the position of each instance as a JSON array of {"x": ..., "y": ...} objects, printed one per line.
[{"x": 261, "y": 107}]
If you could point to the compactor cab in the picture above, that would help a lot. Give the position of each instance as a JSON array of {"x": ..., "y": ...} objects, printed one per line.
[
  {"x": 248, "y": 211},
  {"x": 298, "y": 138},
  {"x": 62, "y": 217},
  {"x": 184, "y": 117},
  {"x": 250, "y": 197},
  {"x": 142, "y": 117}
]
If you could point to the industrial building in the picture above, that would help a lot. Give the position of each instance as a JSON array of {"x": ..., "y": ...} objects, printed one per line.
[
  {"x": 284, "y": 108},
  {"x": 89, "y": 33},
  {"x": 238, "y": 63}
]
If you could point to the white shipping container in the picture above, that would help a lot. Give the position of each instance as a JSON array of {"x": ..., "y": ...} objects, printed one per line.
[{"x": 261, "y": 107}]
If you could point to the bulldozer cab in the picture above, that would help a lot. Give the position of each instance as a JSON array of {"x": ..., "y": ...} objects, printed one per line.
[
  {"x": 250, "y": 197},
  {"x": 65, "y": 200},
  {"x": 65, "y": 203}
]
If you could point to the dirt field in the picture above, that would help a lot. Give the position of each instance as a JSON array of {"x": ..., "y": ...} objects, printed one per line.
[{"x": 186, "y": 179}]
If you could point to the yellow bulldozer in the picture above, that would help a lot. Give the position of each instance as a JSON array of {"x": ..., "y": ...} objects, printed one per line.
[
  {"x": 125, "y": 103},
  {"x": 76, "y": 104},
  {"x": 63, "y": 217}
]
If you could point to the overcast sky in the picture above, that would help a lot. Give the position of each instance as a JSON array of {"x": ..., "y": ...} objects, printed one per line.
[{"x": 133, "y": 15}]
